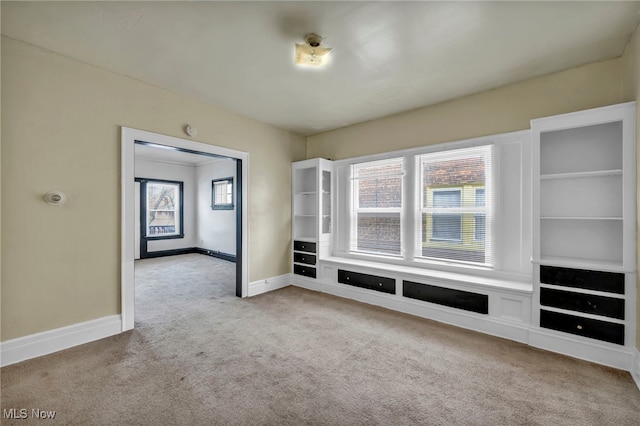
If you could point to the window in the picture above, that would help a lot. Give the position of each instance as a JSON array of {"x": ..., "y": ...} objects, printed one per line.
[
  {"x": 163, "y": 204},
  {"x": 454, "y": 208},
  {"x": 377, "y": 206},
  {"x": 459, "y": 207},
  {"x": 222, "y": 194}
]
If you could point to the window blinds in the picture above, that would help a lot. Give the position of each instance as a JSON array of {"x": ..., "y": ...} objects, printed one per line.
[
  {"x": 455, "y": 206},
  {"x": 377, "y": 206}
]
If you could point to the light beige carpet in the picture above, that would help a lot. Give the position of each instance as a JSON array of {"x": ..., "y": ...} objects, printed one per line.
[{"x": 201, "y": 356}]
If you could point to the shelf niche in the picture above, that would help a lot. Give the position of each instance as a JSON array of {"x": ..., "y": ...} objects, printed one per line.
[{"x": 581, "y": 149}]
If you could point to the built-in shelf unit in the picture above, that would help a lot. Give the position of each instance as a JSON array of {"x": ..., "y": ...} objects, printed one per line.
[
  {"x": 581, "y": 300},
  {"x": 584, "y": 227},
  {"x": 311, "y": 215}
]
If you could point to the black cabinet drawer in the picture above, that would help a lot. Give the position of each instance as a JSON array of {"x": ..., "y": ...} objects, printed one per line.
[
  {"x": 307, "y": 271},
  {"x": 611, "y": 282},
  {"x": 371, "y": 282},
  {"x": 309, "y": 259},
  {"x": 304, "y": 246},
  {"x": 446, "y": 296},
  {"x": 597, "y": 305},
  {"x": 587, "y": 327}
]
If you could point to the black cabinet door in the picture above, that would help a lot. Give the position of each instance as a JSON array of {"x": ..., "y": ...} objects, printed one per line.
[
  {"x": 610, "y": 282},
  {"x": 371, "y": 282},
  {"x": 589, "y": 303},
  {"x": 587, "y": 327},
  {"x": 304, "y": 246},
  {"x": 307, "y": 271},
  {"x": 466, "y": 300},
  {"x": 309, "y": 259}
]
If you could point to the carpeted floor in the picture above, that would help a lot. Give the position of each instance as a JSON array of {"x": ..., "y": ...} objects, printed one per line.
[{"x": 201, "y": 356}]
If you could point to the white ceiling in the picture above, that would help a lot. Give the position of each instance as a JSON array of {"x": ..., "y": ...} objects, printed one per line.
[{"x": 388, "y": 56}]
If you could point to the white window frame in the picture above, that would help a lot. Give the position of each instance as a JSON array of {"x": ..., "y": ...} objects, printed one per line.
[
  {"x": 511, "y": 183},
  {"x": 486, "y": 150},
  {"x": 355, "y": 209}
]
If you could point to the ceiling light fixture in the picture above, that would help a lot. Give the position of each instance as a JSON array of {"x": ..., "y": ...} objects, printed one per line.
[{"x": 311, "y": 54}]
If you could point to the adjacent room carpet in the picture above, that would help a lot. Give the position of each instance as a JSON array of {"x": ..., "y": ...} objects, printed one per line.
[{"x": 201, "y": 356}]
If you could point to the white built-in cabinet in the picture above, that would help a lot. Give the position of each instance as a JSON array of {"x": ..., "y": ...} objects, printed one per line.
[
  {"x": 582, "y": 297},
  {"x": 311, "y": 214},
  {"x": 584, "y": 230}
]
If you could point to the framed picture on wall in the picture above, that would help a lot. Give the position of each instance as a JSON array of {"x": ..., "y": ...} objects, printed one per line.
[{"x": 222, "y": 194}]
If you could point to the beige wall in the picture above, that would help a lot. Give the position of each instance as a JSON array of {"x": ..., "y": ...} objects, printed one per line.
[
  {"x": 61, "y": 130},
  {"x": 501, "y": 110},
  {"x": 631, "y": 90}
]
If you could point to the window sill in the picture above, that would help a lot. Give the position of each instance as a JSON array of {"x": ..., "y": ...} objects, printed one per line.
[
  {"x": 164, "y": 237},
  {"x": 513, "y": 285}
]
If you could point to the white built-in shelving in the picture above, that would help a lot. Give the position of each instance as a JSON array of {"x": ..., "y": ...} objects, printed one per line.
[
  {"x": 582, "y": 188},
  {"x": 311, "y": 211},
  {"x": 584, "y": 228}
]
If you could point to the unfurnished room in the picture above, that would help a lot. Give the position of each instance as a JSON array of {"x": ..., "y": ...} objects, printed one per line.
[{"x": 319, "y": 212}]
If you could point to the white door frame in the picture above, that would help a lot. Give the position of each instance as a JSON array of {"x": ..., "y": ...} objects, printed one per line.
[{"x": 129, "y": 137}]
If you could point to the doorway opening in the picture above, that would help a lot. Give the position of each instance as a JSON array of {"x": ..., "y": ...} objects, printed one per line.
[{"x": 153, "y": 213}]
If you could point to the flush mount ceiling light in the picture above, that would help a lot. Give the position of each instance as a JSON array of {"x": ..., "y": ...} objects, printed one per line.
[{"x": 311, "y": 54}]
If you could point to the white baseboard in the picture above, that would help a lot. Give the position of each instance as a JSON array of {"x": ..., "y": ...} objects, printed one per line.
[
  {"x": 458, "y": 318},
  {"x": 636, "y": 368},
  {"x": 269, "y": 284},
  {"x": 621, "y": 358},
  {"x": 46, "y": 342}
]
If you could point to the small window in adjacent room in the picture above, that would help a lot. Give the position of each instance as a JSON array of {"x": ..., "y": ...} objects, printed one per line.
[{"x": 222, "y": 194}]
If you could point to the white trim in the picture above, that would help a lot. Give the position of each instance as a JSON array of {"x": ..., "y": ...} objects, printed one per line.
[
  {"x": 269, "y": 284},
  {"x": 636, "y": 369},
  {"x": 458, "y": 318},
  {"x": 621, "y": 358},
  {"x": 128, "y": 138},
  {"x": 587, "y": 117},
  {"x": 46, "y": 342}
]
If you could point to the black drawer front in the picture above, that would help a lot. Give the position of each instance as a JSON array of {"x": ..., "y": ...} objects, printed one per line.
[
  {"x": 597, "y": 305},
  {"x": 304, "y": 246},
  {"x": 307, "y": 271},
  {"x": 587, "y": 327},
  {"x": 611, "y": 282},
  {"x": 371, "y": 282},
  {"x": 309, "y": 259},
  {"x": 446, "y": 296}
]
